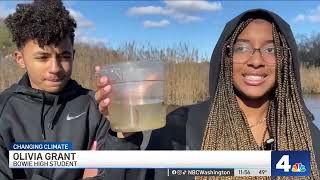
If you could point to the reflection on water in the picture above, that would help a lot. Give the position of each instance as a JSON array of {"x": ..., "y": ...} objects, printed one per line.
[{"x": 313, "y": 103}]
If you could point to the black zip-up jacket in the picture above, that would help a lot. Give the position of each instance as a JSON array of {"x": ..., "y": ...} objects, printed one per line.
[
  {"x": 186, "y": 125},
  {"x": 29, "y": 115}
]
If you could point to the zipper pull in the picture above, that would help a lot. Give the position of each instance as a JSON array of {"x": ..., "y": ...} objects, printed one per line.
[{"x": 50, "y": 126}]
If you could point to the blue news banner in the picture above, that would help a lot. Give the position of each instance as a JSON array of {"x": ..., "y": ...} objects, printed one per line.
[
  {"x": 290, "y": 163},
  {"x": 38, "y": 146},
  {"x": 283, "y": 163}
]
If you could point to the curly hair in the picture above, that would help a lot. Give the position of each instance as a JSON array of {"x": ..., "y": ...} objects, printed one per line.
[{"x": 47, "y": 22}]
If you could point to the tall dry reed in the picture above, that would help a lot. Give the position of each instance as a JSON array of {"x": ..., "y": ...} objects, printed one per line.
[
  {"x": 310, "y": 79},
  {"x": 187, "y": 74}
]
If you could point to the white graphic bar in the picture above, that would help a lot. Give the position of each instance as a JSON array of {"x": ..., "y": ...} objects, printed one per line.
[{"x": 140, "y": 159}]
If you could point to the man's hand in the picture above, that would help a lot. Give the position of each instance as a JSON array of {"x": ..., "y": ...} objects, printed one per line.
[{"x": 102, "y": 92}]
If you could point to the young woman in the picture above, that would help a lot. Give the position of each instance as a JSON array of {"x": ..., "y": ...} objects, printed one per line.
[{"x": 256, "y": 101}]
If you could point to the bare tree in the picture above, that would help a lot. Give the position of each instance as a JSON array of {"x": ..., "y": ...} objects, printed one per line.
[{"x": 309, "y": 49}]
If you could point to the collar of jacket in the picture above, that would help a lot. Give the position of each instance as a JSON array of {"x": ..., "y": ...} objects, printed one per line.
[
  {"x": 57, "y": 101},
  {"x": 24, "y": 87}
]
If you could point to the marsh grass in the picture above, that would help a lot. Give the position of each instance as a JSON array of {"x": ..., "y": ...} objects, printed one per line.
[{"x": 187, "y": 74}]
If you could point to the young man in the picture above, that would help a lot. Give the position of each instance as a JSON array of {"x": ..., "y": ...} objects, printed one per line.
[
  {"x": 46, "y": 105},
  {"x": 256, "y": 96}
]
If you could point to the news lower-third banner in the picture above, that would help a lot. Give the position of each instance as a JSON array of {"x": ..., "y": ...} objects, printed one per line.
[{"x": 177, "y": 163}]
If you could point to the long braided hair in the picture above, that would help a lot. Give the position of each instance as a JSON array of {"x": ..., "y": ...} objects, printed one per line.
[{"x": 227, "y": 127}]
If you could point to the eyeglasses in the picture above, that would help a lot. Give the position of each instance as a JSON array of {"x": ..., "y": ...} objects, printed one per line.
[{"x": 243, "y": 51}]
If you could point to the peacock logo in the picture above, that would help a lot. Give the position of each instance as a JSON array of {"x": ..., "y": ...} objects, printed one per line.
[{"x": 298, "y": 167}]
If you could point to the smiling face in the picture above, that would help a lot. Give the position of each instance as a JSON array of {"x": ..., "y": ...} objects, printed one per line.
[
  {"x": 254, "y": 72},
  {"x": 48, "y": 68}
]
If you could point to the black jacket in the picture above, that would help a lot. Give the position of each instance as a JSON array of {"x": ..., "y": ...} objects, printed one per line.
[
  {"x": 184, "y": 131},
  {"x": 186, "y": 125},
  {"x": 29, "y": 115}
]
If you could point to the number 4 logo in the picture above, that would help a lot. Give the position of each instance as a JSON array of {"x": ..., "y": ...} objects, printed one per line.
[
  {"x": 290, "y": 163},
  {"x": 284, "y": 164}
]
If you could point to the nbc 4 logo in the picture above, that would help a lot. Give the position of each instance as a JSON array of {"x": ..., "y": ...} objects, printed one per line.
[
  {"x": 298, "y": 167},
  {"x": 284, "y": 164},
  {"x": 290, "y": 163}
]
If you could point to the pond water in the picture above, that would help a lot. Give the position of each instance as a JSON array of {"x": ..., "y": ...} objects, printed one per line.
[{"x": 313, "y": 103}]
